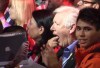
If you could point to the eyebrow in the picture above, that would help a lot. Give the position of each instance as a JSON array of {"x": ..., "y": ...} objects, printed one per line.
[{"x": 88, "y": 2}]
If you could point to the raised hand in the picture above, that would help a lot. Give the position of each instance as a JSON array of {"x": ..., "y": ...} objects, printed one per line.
[{"x": 53, "y": 42}]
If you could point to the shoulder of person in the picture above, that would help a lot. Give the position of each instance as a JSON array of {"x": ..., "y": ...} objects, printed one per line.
[{"x": 92, "y": 60}]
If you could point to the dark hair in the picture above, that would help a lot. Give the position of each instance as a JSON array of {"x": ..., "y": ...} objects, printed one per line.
[
  {"x": 43, "y": 18},
  {"x": 53, "y": 4},
  {"x": 97, "y": 1},
  {"x": 1, "y": 27},
  {"x": 3, "y": 5},
  {"x": 90, "y": 16},
  {"x": 14, "y": 29},
  {"x": 71, "y": 1}
]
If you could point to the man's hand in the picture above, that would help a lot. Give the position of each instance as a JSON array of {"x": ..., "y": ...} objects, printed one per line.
[
  {"x": 53, "y": 42},
  {"x": 49, "y": 57}
]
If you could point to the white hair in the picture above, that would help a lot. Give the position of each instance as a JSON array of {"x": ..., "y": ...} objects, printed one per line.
[
  {"x": 61, "y": 8},
  {"x": 69, "y": 15}
]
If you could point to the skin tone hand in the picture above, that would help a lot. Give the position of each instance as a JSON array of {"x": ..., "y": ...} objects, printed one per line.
[
  {"x": 53, "y": 42},
  {"x": 49, "y": 58},
  {"x": 24, "y": 49}
]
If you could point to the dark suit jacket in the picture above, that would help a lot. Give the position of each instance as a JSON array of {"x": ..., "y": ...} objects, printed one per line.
[{"x": 71, "y": 62}]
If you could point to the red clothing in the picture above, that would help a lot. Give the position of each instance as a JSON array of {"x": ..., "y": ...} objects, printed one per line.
[
  {"x": 88, "y": 58},
  {"x": 35, "y": 57},
  {"x": 31, "y": 41},
  {"x": 32, "y": 46},
  {"x": 67, "y": 3},
  {"x": 56, "y": 49}
]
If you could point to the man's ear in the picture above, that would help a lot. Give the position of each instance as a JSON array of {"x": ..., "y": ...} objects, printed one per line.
[
  {"x": 72, "y": 30},
  {"x": 41, "y": 30},
  {"x": 96, "y": 6}
]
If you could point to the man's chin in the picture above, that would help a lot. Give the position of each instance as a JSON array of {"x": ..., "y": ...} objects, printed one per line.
[
  {"x": 83, "y": 45},
  {"x": 61, "y": 44}
]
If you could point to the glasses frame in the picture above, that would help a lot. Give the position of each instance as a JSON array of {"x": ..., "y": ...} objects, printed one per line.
[{"x": 86, "y": 2}]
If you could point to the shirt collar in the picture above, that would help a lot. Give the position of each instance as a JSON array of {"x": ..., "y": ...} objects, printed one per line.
[{"x": 71, "y": 46}]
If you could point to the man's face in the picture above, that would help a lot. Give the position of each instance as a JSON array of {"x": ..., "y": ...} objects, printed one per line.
[
  {"x": 85, "y": 3},
  {"x": 59, "y": 29},
  {"x": 86, "y": 34}
]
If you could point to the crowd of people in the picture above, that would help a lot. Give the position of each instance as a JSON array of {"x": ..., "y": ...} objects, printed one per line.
[{"x": 61, "y": 33}]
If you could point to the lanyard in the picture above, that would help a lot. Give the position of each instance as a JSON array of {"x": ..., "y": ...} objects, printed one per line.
[{"x": 64, "y": 62}]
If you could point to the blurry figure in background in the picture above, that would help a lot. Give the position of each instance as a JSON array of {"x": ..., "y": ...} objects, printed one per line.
[
  {"x": 53, "y": 4},
  {"x": 21, "y": 11},
  {"x": 74, "y": 2},
  {"x": 7, "y": 17},
  {"x": 39, "y": 30},
  {"x": 41, "y": 4},
  {"x": 22, "y": 52},
  {"x": 87, "y": 51},
  {"x": 3, "y": 6},
  {"x": 63, "y": 27},
  {"x": 48, "y": 4},
  {"x": 88, "y": 3},
  {"x": 67, "y": 2}
]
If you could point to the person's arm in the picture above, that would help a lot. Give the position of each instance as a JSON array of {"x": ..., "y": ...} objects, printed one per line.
[{"x": 49, "y": 58}]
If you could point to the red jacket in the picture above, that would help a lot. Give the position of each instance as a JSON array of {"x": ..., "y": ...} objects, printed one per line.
[{"x": 89, "y": 58}]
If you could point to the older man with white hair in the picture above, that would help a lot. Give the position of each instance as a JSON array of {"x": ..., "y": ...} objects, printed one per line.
[{"x": 63, "y": 28}]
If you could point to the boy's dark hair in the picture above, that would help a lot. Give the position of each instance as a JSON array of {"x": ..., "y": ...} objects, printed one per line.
[{"x": 90, "y": 16}]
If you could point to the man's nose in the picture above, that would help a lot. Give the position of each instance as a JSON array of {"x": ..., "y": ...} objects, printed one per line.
[{"x": 52, "y": 28}]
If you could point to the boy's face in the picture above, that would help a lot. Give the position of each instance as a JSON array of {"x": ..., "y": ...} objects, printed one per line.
[{"x": 86, "y": 34}]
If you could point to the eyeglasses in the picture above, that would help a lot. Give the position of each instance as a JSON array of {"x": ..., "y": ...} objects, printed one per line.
[{"x": 86, "y": 2}]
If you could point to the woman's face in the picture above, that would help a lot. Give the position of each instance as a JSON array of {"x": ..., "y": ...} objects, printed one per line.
[{"x": 33, "y": 29}]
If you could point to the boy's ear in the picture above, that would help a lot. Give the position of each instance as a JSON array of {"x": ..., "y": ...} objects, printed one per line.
[
  {"x": 96, "y": 6},
  {"x": 72, "y": 30}
]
